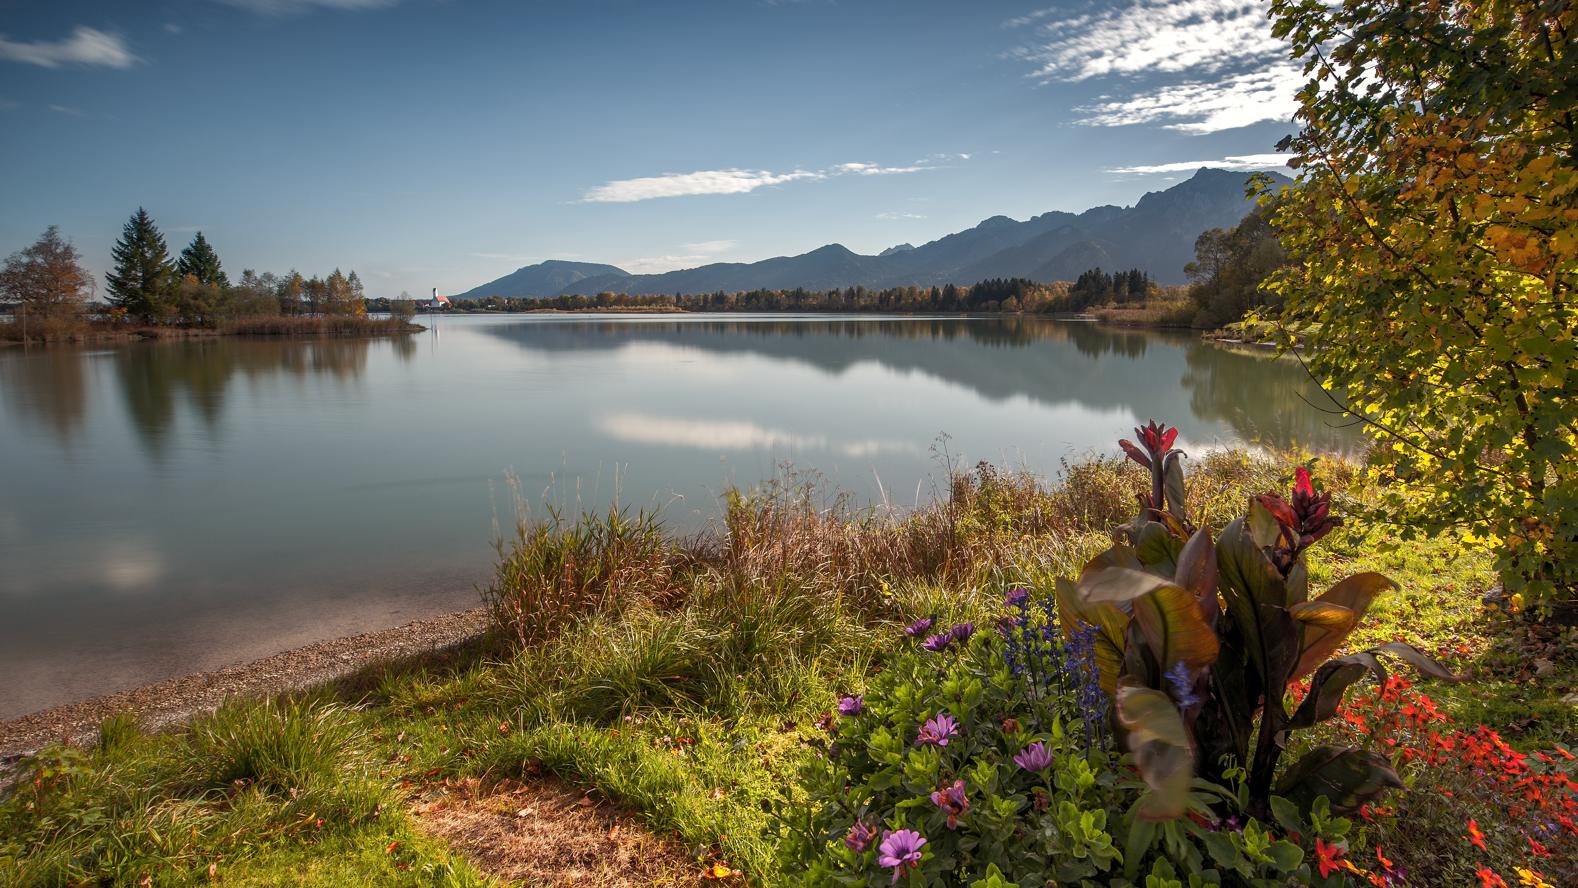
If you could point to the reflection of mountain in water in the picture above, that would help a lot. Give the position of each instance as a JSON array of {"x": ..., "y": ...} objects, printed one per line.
[{"x": 1051, "y": 362}]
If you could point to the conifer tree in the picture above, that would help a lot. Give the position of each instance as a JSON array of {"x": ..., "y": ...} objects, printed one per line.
[
  {"x": 144, "y": 276},
  {"x": 200, "y": 261}
]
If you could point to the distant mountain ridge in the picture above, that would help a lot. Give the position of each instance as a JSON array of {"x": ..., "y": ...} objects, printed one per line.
[
  {"x": 1157, "y": 234},
  {"x": 543, "y": 279}
]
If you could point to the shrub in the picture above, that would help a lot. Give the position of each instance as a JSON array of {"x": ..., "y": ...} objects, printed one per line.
[
  {"x": 985, "y": 758},
  {"x": 1200, "y": 638}
]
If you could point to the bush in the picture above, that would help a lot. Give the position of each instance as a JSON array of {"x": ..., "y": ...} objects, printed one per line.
[{"x": 986, "y": 758}]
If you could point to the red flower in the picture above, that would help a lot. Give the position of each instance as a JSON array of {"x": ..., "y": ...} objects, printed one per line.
[
  {"x": 1385, "y": 863},
  {"x": 1476, "y": 837},
  {"x": 1326, "y": 856},
  {"x": 1488, "y": 879}
]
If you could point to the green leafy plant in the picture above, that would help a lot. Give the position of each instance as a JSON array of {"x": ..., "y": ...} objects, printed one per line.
[{"x": 1200, "y": 637}]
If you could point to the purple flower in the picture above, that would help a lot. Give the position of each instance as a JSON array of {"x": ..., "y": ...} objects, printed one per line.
[
  {"x": 851, "y": 705},
  {"x": 1034, "y": 758},
  {"x": 1017, "y": 596},
  {"x": 859, "y": 837},
  {"x": 938, "y": 643},
  {"x": 953, "y": 802},
  {"x": 918, "y": 628},
  {"x": 936, "y": 731},
  {"x": 961, "y": 631},
  {"x": 900, "y": 851},
  {"x": 1183, "y": 685}
]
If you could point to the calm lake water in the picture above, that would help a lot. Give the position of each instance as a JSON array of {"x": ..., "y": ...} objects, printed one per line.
[{"x": 173, "y": 507}]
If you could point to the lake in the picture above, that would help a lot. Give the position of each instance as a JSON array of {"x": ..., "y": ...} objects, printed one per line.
[{"x": 170, "y": 507}]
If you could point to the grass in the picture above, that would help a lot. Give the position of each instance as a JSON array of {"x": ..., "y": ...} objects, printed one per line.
[
  {"x": 76, "y": 329},
  {"x": 681, "y": 677}
]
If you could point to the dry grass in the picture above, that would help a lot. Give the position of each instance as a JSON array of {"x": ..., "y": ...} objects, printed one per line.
[
  {"x": 1173, "y": 312},
  {"x": 549, "y": 833}
]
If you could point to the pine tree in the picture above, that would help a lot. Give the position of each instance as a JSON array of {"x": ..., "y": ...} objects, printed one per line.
[
  {"x": 144, "y": 276},
  {"x": 200, "y": 261}
]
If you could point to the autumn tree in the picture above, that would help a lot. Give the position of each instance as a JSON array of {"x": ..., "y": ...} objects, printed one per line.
[
  {"x": 144, "y": 278},
  {"x": 1433, "y": 233},
  {"x": 47, "y": 280}
]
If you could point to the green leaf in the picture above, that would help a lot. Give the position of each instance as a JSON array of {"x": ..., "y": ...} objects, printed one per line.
[
  {"x": 1162, "y": 754},
  {"x": 1344, "y": 776},
  {"x": 1175, "y": 628},
  {"x": 1197, "y": 572},
  {"x": 1173, "y": 487},
  {"x": 1286, "y": 855},
  {"x": 1329, "y": 685},
  {"x": 1156, "y": 548},
  {"x": 1320, "y": 639},
  {"x": 1111, "y": 623},
  {"x": 1287, "y": 815},
  {"x": 994, "y": 879},
  {"x": 1256, "y": 597}
]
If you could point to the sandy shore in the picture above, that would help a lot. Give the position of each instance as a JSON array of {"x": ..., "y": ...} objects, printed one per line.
[{"x": 173, "y": 701}]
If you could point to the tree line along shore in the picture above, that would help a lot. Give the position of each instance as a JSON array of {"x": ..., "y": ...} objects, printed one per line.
[{"x": 150, "y": 294}]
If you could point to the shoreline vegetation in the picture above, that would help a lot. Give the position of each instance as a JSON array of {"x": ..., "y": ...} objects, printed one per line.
[
  {"x": 694, "y": 680},
  {"x": 114, "y": 331}
]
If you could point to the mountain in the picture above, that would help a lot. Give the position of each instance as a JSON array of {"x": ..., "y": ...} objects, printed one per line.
[
  {"x": 1157, "y": 234},
  {"x": 543, "y": 279}
]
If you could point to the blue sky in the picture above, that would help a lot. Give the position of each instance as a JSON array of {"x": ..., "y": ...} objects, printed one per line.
[{"x": 442, "y": 143}]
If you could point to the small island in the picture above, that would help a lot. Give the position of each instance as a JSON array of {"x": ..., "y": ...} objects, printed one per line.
[{"x": 50, "y": 295}]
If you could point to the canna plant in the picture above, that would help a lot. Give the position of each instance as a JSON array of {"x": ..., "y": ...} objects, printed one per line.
[{"x": 1200, "y": 637}]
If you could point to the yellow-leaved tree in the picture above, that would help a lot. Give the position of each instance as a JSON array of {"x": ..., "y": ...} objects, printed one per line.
[{"x": 1433, "y": 239}]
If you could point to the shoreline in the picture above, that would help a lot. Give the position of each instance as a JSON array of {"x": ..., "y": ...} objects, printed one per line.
[{"x": 172, "y": 701}]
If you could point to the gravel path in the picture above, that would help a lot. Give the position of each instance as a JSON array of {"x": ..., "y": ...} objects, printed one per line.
[{"x": 177, "y": 700}]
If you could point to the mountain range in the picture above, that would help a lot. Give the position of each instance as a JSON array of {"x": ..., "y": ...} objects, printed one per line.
[{"x": 1157, "y": 234}]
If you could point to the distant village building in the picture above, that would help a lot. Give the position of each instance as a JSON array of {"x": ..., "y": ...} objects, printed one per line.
[{"x": 437, "y": 303}]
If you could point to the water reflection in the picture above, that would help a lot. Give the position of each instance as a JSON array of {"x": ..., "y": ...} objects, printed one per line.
[
  {"x": 155, "y": 377},
  {"x": 1263, "y": 400},
  {"x": 50, "y": 388}
]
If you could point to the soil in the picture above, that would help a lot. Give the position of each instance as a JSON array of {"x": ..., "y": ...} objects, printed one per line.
[{"x": 546, "y": 832}]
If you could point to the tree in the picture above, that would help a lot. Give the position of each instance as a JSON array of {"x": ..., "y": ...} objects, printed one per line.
[
  {"x": 357, "y": 295},
  {"x": 1433, "y": 233},
  {"x": 47, "y": 279},
  {"x": 200, "y": 261},
  {"x": 1230, "y": 267},
  {"x": 144, "y": 277},
  {"x": 404, "y": 308}
]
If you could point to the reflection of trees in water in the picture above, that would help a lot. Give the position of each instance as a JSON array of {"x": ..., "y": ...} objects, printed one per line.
[
  {"x": 1143, "y": 373},
  {"x": 49, "y": 387},
  {"x": 153, "y": 377},
  {"x": 1236, "y": 388}
]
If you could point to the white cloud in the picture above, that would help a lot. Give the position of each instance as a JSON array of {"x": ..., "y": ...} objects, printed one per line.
[
  {"x": 85, "y": 46},
  {"x": 68, "y": 110},
  {"x": 1208, "y": 65},
  {"x": 286, "y": 7},
  {"x": 891, "y": 216},
  {"x": 1154, "y": 36},
  {"x": 1205, "y": 107},
  {"x": 1238, "y": 162},
  {"x": 871, "y": 169},
  {"x": 712, "y": 246},
  {"x": 173, "y": 28},
  {"x": 735, "y": 181},
  {"x": 704, "y": 434},
  {"x": 9, "y": 104},
  {"x": 684, "y": 184}
]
